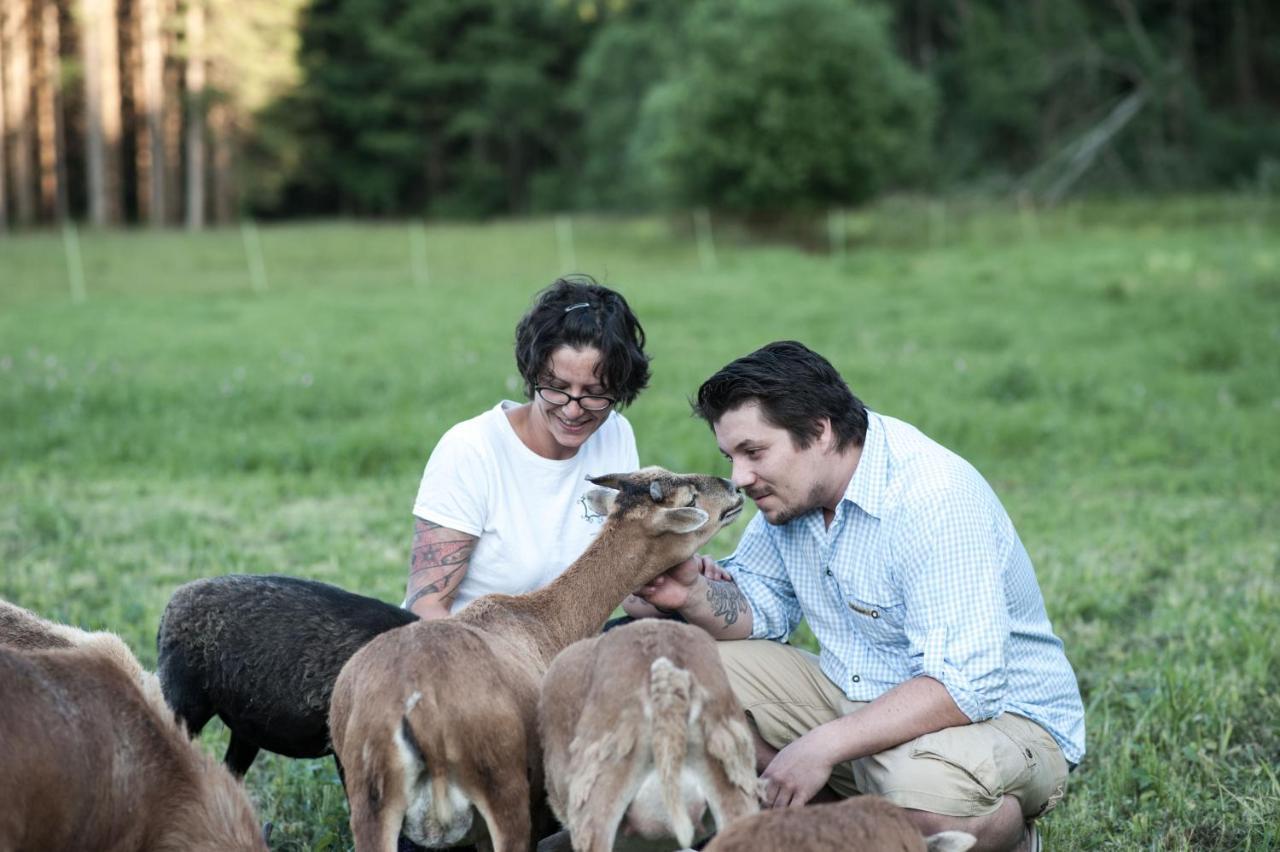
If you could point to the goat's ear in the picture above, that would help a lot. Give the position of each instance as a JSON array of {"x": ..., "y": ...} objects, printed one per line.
[
  {"x": 950, "y": 841},
  {"x": 600, "y": 500},
  {"x": 656, "y": 491},
  {"x": 679, "y": 521},
  {"x": 607, "y": 480}
]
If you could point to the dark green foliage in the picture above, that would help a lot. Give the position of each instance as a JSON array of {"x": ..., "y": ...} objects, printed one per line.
[
  {"x": 451, "y": 105},
  {"x": 784, "y": 104},
  {"x": 630, "y": 55},
  {"x": 475, "y": 107},
  {"x": 1022, "y": 80}
]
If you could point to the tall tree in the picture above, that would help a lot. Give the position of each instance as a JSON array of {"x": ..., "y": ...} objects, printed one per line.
[
  {"x": 195, "y": 127},
  {"x": 4, "y": 159},
  {"x": 171, "y": 118},
  {"x": 779, "y": 105},
  {"x": 152, "y": 106},
  {"x": 631, "y": 54},
  {"x": 222, "y": 140},
  {"x": 1242, "y": 65},
  {"x": 151, "y": 148},
  {"x": 21, "y": 114},
  {"x": 456, "y": 105},
  {"x": 252, "y": 52},
  {"x": 51, "y": 122},
  {"x": 100, "y": 45}
]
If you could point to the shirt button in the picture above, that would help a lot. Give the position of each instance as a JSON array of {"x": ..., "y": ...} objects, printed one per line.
[
  {"x": 828, "y": 572},
  {"x": 857, "y": 679},
  {"x": 875, "y": 613}
]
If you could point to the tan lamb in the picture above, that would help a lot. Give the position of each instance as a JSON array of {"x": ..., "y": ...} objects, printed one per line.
[
  {"x": 859, "y": 824},
  {"x": 436, "y": 722},
  {"x": 641, "y": 733}
]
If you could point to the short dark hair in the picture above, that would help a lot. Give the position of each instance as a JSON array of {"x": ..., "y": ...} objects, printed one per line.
[
  {"x": 795, "y": 387},
  {"x": 575, "y": 311}
]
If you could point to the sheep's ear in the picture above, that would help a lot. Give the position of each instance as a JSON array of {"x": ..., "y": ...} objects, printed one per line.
[
  {"x": 950, "y": 841},
  {"x": 600, "y": 500},
  {"x": 679, "y": 521},
  {"x": 656, "y": 491},
  {"x": 607, "y": 480}
]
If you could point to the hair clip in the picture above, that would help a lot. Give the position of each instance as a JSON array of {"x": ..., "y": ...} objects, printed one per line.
[{"x": 575, "y": 307}]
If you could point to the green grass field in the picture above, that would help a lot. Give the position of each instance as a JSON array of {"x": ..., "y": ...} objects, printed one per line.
[{"x": 1113, "y": 370}]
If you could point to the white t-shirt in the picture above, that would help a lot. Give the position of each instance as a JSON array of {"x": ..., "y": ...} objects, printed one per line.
[{"x": 526, "y": 510}]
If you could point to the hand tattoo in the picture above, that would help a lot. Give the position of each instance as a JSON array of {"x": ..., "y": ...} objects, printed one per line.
[{"x": 726, "y": 600}]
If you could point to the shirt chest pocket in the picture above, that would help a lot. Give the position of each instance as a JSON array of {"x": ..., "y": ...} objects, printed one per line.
[{"x": 877, "y": 615}]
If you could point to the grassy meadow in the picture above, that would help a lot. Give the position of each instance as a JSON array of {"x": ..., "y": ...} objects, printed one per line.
[{"x": 1113, "y": 369}]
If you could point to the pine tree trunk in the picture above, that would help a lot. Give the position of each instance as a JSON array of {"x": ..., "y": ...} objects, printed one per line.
[
  {"x": 195, "y": 114},
  {"x": 171, "y": 118},
  {"x": 1242, "y": 54},
  {"x": 222, "y": 136},
  {"x": 1185, "y": 34},
  {"x": 151, "y": 153},
  {"x": 924, "y": 49},
  {"x": 50, "y": 127},
  {"x": 102, "y": 110},
  {"x": 4, "y": 159},
  {"x": 139, "y": 169},
  {"x": 95, "y": 144},
  {"x": 21, "y": 116}
]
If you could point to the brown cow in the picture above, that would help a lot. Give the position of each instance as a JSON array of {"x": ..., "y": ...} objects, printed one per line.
[{"x": 91, "y": 764}]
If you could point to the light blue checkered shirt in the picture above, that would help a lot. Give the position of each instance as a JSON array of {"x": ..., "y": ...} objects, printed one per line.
[{"x": 920, "y": 573}]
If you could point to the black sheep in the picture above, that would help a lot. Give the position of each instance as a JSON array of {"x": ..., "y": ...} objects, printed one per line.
[{"x": 262, "y": 653}]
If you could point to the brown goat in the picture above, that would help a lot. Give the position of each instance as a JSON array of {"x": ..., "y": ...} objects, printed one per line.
[
  {"x": 93, "y": 763},
  {"x": 437, "y": 720},
  {"x": 859, "y": 824},
  {"x": 640, "y": 728},
  {"x": 23, "y": 630}
]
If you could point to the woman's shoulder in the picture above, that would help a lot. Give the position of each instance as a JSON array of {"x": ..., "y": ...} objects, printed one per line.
[
  {"x": 614, "y": 439},
  {"x": 619, "y": 424},
  {"x": 475, "y": 434}
]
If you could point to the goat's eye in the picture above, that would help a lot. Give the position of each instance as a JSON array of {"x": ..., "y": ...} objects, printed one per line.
[{"x": 693, "y": 501}]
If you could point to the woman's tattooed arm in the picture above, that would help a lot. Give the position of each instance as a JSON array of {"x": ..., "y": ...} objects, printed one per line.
[{"x": 441, "y": 557}]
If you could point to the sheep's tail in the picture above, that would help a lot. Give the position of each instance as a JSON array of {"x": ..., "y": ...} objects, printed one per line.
[{"x": 670, "y": 697}]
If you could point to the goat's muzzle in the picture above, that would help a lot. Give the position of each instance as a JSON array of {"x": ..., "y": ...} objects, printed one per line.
[{"x": 732, "y": 512}]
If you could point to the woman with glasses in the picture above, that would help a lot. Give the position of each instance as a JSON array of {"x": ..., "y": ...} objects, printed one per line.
[{"x": 500, "y": 505}]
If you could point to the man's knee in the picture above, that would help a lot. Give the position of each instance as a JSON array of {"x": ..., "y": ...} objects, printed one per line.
[
  {"x": 969, "y": 771},
  {"x": 1002, "y": 830}
]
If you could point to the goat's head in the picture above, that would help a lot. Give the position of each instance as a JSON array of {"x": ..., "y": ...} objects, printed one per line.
[{"x": 692, "y": 506}]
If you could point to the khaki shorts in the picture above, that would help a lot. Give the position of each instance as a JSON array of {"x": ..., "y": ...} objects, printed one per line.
[{"x": 963, "y": 771}]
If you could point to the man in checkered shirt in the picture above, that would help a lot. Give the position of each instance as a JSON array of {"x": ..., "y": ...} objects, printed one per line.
[{"x": 939, "y": 682}]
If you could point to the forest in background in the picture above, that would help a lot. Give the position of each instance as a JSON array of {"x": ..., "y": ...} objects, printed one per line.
[{"x": 206, "y": 111}]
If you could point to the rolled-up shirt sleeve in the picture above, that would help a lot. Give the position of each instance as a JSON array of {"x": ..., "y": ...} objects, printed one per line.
[
  {"x": 950, "y": 558},
  {"x": 758, "y": 569}
]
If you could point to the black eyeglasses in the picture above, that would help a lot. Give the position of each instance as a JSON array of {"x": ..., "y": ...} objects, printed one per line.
[{"x": 590, "y": 402}]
